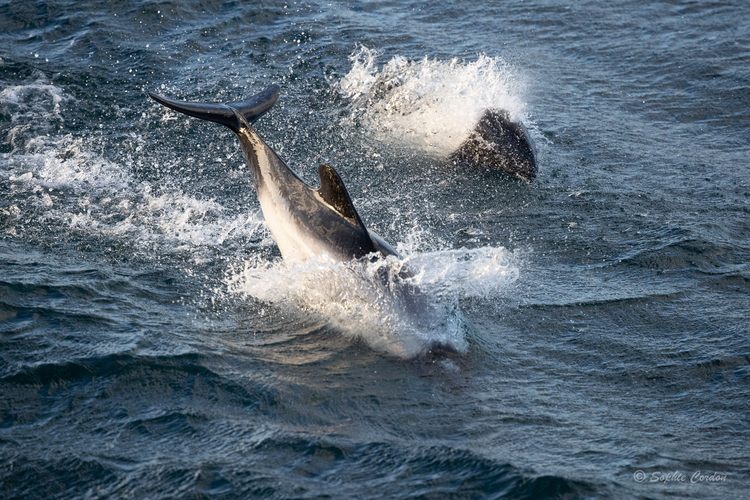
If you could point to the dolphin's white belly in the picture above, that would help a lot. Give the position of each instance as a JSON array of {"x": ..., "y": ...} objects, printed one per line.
[{"x": 295, "y": 243}]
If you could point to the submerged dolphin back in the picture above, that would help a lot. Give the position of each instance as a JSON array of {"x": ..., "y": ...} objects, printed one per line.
[
  {"x": 226, "y": 113},
  {"x": 500, "y": 143}
]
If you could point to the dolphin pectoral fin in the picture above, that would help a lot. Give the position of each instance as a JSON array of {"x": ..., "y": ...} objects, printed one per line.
[
  {"x": 230, "y": 114},
  {"x": 382, "y": 246},
  {"x": 334, "y": 193}
]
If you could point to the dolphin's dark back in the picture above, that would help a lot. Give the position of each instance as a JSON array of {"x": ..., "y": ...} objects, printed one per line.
[
  {"x": 500, "y": 143},
  {"x": 226, "y": 113}
]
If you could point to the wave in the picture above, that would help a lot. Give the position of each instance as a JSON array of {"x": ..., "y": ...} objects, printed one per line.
[
  {"x": 292, "y": 467},
  {"x": 43, "y": 374},
  {"x": 687, "y": 253}
]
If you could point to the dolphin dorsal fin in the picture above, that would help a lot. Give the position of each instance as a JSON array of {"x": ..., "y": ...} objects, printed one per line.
[{"x": 334, "y": 193}]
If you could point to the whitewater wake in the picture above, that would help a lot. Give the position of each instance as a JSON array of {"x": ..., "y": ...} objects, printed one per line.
[{"x": 373, "y": 300}]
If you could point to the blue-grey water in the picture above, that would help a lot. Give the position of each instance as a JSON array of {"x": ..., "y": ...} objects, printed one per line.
[{"x": 592, "y": 338}]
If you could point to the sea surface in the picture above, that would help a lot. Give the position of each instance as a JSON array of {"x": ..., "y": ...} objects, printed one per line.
[{"x": 591, "y": 336}]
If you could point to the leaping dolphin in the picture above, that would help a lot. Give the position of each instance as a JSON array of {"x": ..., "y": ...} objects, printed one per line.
[{"x": 304, "y": 221}]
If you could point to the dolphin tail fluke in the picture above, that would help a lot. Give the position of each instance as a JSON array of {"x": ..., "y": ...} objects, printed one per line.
[{"x": 230, "y": 114}]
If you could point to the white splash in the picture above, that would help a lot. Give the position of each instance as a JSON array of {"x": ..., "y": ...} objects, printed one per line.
[
  {"x": 433, "y": 104},
  {"x": 64, "y": 181},
  {"x": 372, "y": 301},
  {"x": 34, "y": 109},
  {"x": 24, "y": 95},
  {"x": 104, "y": 197}
]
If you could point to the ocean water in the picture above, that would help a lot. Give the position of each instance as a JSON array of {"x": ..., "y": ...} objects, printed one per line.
[{"x": 589, "y": 329}]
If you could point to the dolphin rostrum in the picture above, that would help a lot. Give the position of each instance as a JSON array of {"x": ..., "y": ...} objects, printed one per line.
[{"x": 304, "y": 221}]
